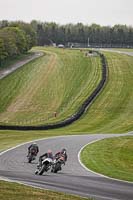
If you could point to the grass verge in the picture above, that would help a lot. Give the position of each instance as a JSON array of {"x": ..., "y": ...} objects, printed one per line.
[
  {"x": 112, "y": 111},
  {"x": 112, "y": 157},
  {"x": 13, "y": 191}
]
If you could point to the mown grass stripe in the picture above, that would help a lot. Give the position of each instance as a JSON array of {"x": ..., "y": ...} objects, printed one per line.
[
  {"x": 70, "y": 119},
  {"x": 111, "y": 157}
]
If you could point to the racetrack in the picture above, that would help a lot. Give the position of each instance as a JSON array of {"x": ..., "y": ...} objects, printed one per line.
[
  {"x": 73, "y": 178},
  {"x": 118, "y": 51}
]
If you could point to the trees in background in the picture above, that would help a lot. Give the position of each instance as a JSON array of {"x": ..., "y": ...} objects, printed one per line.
[
  {"x": 3, "y": 52},
  {"x": 15, "y": 38},
  {"x": 118, "y": 35},
  {"x": 30, "y": 33},
  {"x": 18, "y": 37}
]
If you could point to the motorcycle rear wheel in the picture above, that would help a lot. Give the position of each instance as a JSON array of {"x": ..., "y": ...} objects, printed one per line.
[{"x": 57, "y": 168}]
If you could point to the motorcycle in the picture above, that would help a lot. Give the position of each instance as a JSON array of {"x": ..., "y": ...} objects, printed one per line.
[
  {"x": 32, "y": 155},
  {"x": 57, "y": 164},
  {"x": 44, "y": 167}
]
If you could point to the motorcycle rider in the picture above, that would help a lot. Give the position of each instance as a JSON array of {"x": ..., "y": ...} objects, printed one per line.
[
  {"x": 48, "y": 154},
  {"x": 61, "y": 153},
  {"x": 33, "y": 146}
]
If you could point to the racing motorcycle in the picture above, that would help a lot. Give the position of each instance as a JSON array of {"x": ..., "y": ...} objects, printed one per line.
[
  {"x": 44, "y": 167},
  {"x": 32, "y": 155},
  {"x": 57, "y": 164}
]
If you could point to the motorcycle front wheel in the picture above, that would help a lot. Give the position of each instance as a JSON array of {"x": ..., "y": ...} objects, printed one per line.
[{"x": 42, "y": 170}]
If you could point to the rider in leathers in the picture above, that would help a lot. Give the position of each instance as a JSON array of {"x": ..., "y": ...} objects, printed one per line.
[
  {"x": 61, "y": 153},
  {"x": 33, "y": 146},
  {"x": 49, "y": 154}
]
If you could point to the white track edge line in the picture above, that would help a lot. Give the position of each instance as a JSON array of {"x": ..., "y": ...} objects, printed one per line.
[{"x": 78, "y": 154}]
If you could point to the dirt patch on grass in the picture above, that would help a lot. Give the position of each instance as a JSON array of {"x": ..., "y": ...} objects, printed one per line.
[{"x": 24, "y": 100}]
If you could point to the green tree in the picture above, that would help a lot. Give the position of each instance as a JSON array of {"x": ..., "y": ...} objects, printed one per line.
[
  {"x": 20, "y": 38},
  {"x": 29, "y": 33},
  {"x": 9, "y": 42},
  {"x": 3, "y": 53}
]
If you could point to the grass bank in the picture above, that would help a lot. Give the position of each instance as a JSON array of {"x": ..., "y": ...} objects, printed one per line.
[
  {"x": 57, "y": 82},
  {"x": 112, "y": 111},
  {"x": 13, "y": 191},
  {"x": 112, "y": 157}
]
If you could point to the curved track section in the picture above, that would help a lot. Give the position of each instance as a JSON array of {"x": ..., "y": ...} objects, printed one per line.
[{"x": 72, "y": 179}]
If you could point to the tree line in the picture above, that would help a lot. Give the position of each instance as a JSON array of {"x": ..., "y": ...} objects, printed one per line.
[
  {"x": 15, "y": 38},
  {"x": 118, "y": 35},
  {"x": 18, "y": 37}
]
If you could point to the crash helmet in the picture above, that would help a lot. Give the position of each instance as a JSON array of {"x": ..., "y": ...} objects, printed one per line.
[
  {"x": 34, "y": 144},
  {"x": 50, "y": 154},
  {"x": 63, "y": 151}
]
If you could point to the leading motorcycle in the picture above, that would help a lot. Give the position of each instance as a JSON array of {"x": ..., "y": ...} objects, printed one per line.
[{"x": 44, "y": 167}]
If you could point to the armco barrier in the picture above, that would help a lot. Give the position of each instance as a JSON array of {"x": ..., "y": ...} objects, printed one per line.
[{"x": 75, "y": 116}]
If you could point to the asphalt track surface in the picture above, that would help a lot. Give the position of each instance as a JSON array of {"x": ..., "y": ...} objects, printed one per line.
[
  {"x": 14, "y": 67},
  {"x": 73, "y": 178},
  {"x": 118, "y": 51}
]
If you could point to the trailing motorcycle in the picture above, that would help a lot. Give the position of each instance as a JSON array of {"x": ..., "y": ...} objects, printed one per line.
[
  {"x": 57, "y": 164},
  {"x": 44, "y": 167},
  {"x": 32, "y": 155}
]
